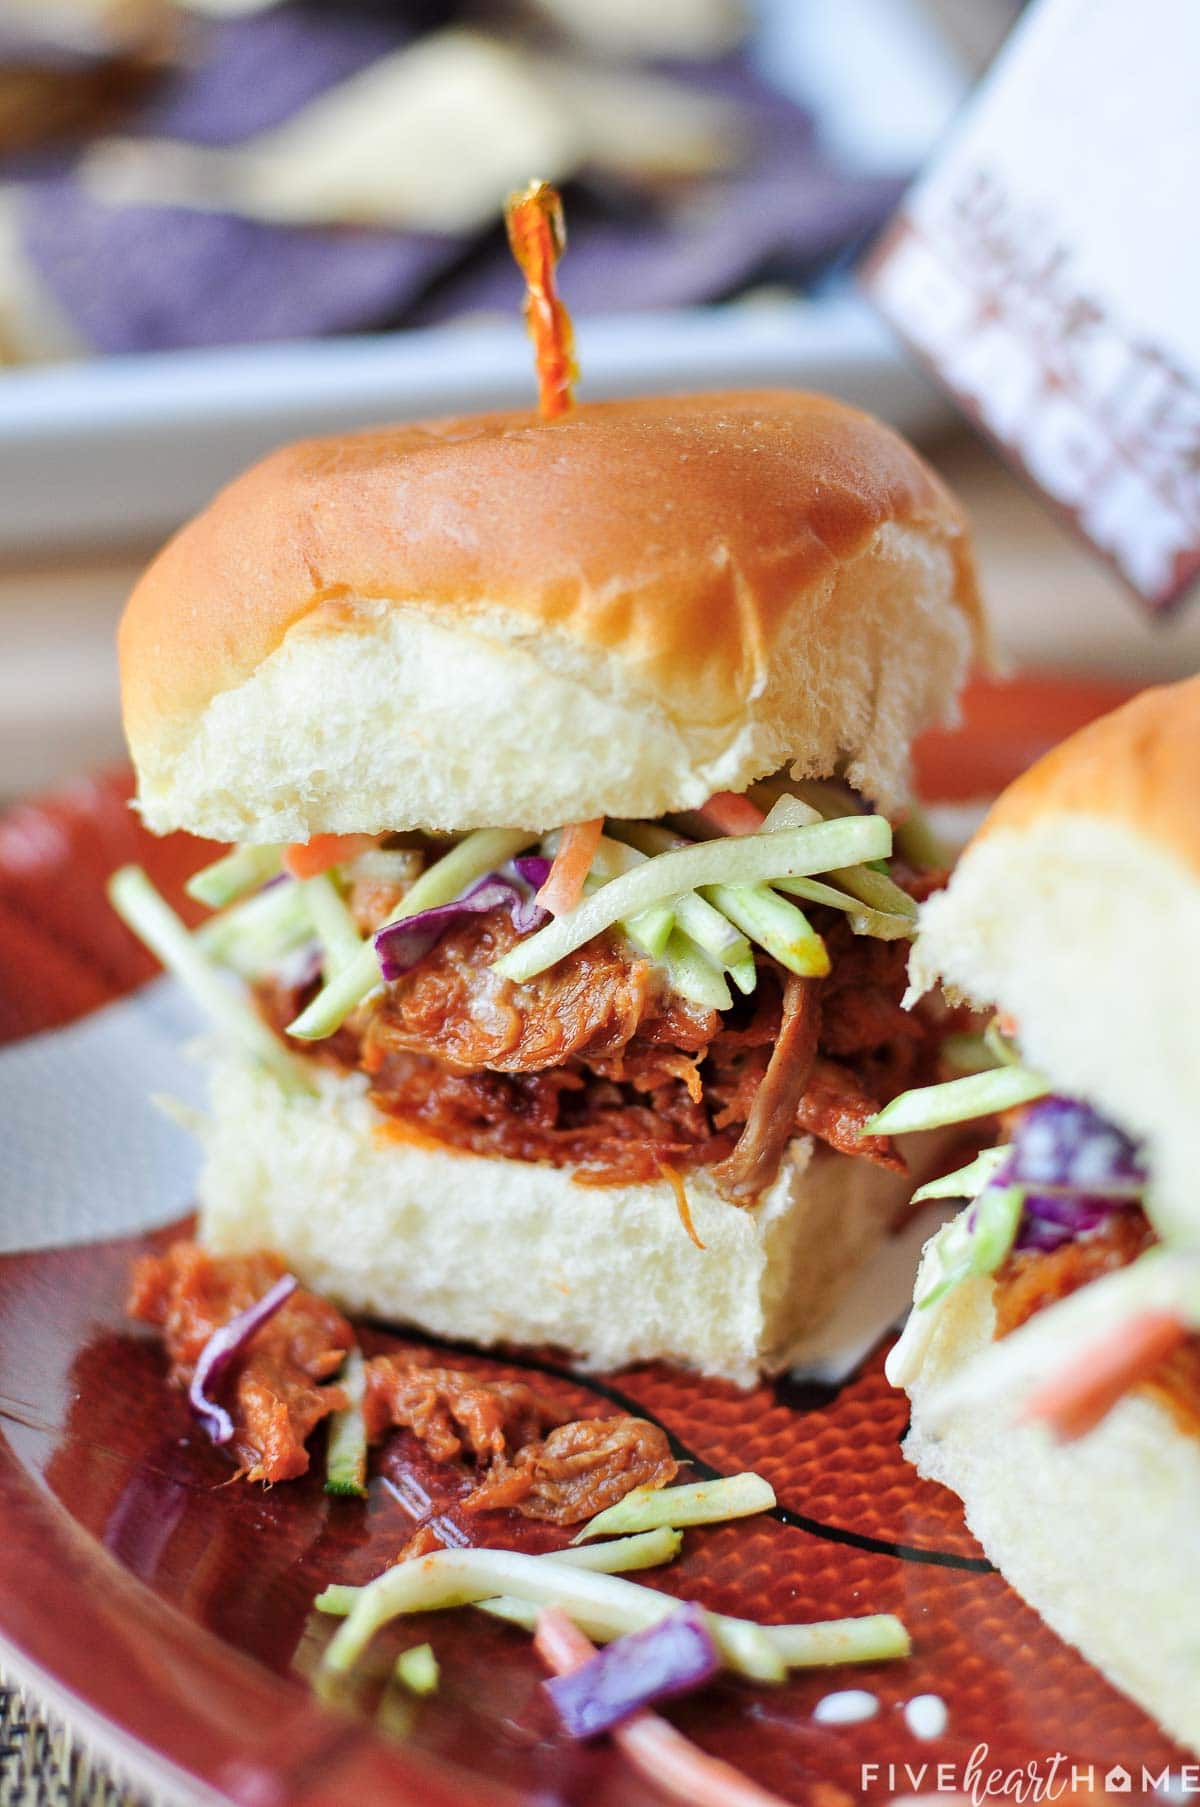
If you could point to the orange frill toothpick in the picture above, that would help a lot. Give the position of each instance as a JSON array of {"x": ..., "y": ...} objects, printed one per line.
[{"x": 538, "y": 238}]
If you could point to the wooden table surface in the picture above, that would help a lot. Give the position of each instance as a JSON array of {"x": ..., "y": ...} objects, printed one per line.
[{"x": 1052, "y": 602}]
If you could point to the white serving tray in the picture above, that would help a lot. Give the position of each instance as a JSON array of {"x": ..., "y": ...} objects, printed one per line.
[{"x": 124, "y": 448}]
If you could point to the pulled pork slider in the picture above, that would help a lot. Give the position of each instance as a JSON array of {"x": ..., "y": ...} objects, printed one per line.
[
  {"x": 1052, "y": 1356},
  {"x": 576, "y": 743}
]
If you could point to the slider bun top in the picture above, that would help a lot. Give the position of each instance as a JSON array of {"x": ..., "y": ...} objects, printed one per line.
[
  {"x": 1076, "y": 909},
  {"x": 1138, "y": 766},
  {"x": 500, "y": 620}
]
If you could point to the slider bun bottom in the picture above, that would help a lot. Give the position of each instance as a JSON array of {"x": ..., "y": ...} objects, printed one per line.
[
  {"x": 1100, "y": 1536},
  {"x": 494, "y": 1251}
]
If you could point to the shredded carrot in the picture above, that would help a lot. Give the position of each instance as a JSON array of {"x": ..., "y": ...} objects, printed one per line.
[
  {"x": 537, "y": 237},
  {"x": 572, "y": 863},
  {"x": 674, "y": 1179},
  {"x": 1073, "y": 1403},
  {"x": 674, "y": 1765},
  {"x": 730, "y": 814},
  {"x": 305, "y": 859}
]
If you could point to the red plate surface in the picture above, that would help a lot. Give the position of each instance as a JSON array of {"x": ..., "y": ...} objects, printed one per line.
[{"x": 171, "y": 1615}]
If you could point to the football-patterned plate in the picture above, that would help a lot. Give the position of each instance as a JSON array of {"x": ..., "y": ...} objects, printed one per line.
[{"x": 168, "y": 1616}]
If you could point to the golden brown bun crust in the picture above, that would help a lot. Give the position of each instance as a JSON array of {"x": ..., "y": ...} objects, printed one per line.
[
  {"x": 680, "y": 532},
  {"x": 1140, "y": 765}
]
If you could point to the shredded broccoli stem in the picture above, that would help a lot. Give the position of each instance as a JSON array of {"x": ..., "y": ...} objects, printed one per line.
[
  {"x": 693, "y": 975},
  {"x": 829, "y": 798},
  {"x": 957, "y": 1101},
  {"x": 689, "y": 969},
  {"x": 875, "y": 889},
  {"x": 151, "y": 918},
  {"x": 648, "y": 1550},
  {"x": 251, "y": 936},
  {"x": 651, "y": 930},
  {"x": 763, "y": 917},
  {"x": 869, "y": 884},
  {"x": 230, "y": 877},
  {"x": 745, "y": 974},
  {"x": 881, "y": 925},
  {"x": 338, "y": 1600},
  {"x": 745, "y": 859},
  {"x": 999, "y": 1046},
  {"x": 978, "y": 1240},
  {"x": 697, "y": 907},
  {"x": 700, "y": 1503},
  {"x": 346, "y": 1448},
  {"x": 875, "y": 1638},
  {"x": 966, "y": 1181},
  {"x": 335, "y": 927},
  {"x": 778, "y": 926},
  {"x": 461, "y": 1577},
  {"x": 790, "y": 811},
  {"x": 417, "y": 1669},
  {"x": 711, "y": 930}
]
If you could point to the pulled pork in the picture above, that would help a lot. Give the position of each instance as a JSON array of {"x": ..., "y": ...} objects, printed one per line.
[
  {"x": 590, "y": 1006},
  {"x": 423, "y": 1542},
  {"x": 772, "y": 1115},
  {"x": 575, "y": 1471},
  {"x": 272, "y": 1392},
  {"x": 597, "y": 1066},
  {"x": 451, "y": 1411},
  {"x": 526, "y": 1451},
  {"x": 579, "y": 1470},
  {"x": 1031, "y": 1279}
]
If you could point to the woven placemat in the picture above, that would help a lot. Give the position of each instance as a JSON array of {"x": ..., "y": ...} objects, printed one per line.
[{"x": 43, "y": 1765}]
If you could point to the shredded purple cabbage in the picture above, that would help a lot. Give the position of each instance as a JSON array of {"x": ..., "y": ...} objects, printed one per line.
[
  {"x": 514, "y": 887},
  {"x": 1036, "y": 1234},
  {"x": 1062, "y": 1145},
  {"x": 1075, "y": 1214},
  {"x": 1078, "y": 1169},
  {"x": 222, "y": 1348},
  {"x": 534, "y": 869},
  {"x": 670, "y": 1658},
  {"x": 1048, "y": 1222}
]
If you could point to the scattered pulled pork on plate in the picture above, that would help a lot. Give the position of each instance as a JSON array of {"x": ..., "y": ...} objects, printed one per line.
[{"x": 524, "y": 1450}]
